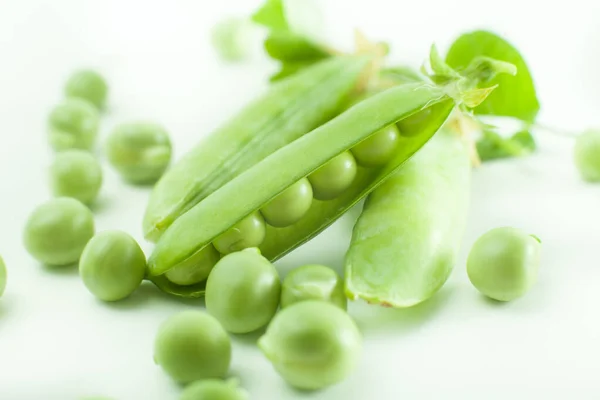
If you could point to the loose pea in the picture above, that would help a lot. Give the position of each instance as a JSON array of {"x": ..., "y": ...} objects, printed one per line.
[
  {"x": 213, "y": 389},
  {"x": 290, "y": 206},
  {"x": 313, "y": 282},
  {"x": 197, "y": 272},
  {"x": 88, "y": 85},
  {"x": 73, "y": 124},
  {"x": 333, "y": 178},
  {"x": 250, "y": 232},
  {"x": 191, "y": 345},
  {"x": 243, "y": 291},
  {"x": 139, "y": 151},
  {"x": 112, "y": 265},
  {"x": 503, "y": 263},
  {"x": 378, "y": 149},
  {"x": 312, "y": 344},
  {"x": 2, "y": 276},
  {"x": 77, "y": 174},
  {"x": 57, "y": 231},
  {"x": 587, "y": 155}
]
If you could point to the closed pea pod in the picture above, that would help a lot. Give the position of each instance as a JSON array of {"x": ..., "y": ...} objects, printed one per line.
[
  {"x": 250, "y": 191},
  {"x": 406, "y": 240}
]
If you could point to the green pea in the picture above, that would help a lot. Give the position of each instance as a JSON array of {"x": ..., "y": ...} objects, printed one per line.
[
  {"x": 243, "y": 291},
  {"x": 313, "y": 282},
  {"x": 198, "y": 271},
  {"x": 378, "y": 149},
  {"x": 587, "y": 155},
  {"x": 73, "y": 124},
  {"x": 333, "y": 178},
  {"x": 77, "y": 174},
  {"x": 290, "y": 205},
  {"x": 112, "y": 265},
  {"x": 249, "y": 232},
  {"x": 413, "y": 125},
  {"x": 213, "y": 389},
  {"x": 87, "y": 85},
  {"x": 312, "y": 344},
  {"x": 191, "y": 345},
  {"x": 57, "y": 231},
  {"x": 2, "y": 276},
  {"x": 503, "y": 263},
  {"x": 139, "y": 151}
]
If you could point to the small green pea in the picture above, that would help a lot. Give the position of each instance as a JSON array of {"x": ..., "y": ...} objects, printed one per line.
[
  {"x": 197, "y": 272},
  {"x": 77, "y": 174},
  {"x": 313, "y": 282},
  {"x": 312, "y": 344},
  {"x": 192, "y": 345},
  {"x": 413, "y": 125},
  {"x": 249, "y": 232},
  {"x": 290, "y": 205},
  {"x": 243, "y": 291},
  {"x": 73, "y": 124},
  {"x": 2, "y": 276},
  {"x": 214, "y": 389},
  {"x": 139, "y": 151},
  {"x": 57, "y": 231},
  {"x": 587, "y": 155},
  {"x": 503, "y": 263},
  {"x": 333, "y": 178},
  {"x": 231, "y": 38},
  {"x": 378, "y": 149},
  {"x": 112, "y": 265},
  {"x": 87, "y": 85}
]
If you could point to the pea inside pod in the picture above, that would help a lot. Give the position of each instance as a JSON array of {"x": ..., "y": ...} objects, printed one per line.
[{"x": 242, "y": 196}]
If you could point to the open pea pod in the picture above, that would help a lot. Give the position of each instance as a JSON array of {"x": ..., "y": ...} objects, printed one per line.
[
  {"x": 286, "y": 111},
  {"x": 181, "y": 244}
]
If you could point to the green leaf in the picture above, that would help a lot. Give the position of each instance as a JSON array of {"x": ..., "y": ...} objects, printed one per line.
[
  {"x": 290, "y": 47},
  {"x": 272, "y": 15},
  {"x": 515, "y": 96},
  {"x": 439, "y": 66},
  {"x": 492, "y": 146}
]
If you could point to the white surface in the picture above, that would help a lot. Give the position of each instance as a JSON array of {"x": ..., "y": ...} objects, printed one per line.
[{"x": 58, "y": 342}]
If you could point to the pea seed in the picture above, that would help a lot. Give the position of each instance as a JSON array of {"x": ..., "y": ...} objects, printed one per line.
[
  {"x": 77, "y": 174},
  {"x": 250, "y": 232},
  {"x": 333, "y": 178},
  {"x": 213, "y": 389},
  {"x": 73, "y": 124},
  {"x": 313, "y": 282},
  {"x": 378, "y": 149},
  {"x": 290, "y": 206},
  {"x": 87, "y": 85},
  {"x": 198, "y": 271},
  {"x": 587, "y": 155}
]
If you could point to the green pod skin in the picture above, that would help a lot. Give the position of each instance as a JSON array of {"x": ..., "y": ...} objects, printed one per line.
[
  {"x": 503, "y": 263},
  {"x": 290, "y": 205},
  {"x": 3, "y": 276},
  {"x": 57, "y": 231},
  {"x": 333, "y": 178},
  {"x": 139, "y": 151},
  {"x": 378, "y": 149},
  {"x": 406, "y": 241},
  {"x": 186, "y": 275},
  {"x": 243, "y": 291},
  {"x": 87, "y": 85},
  {"x": 587, "y": 155},
  {"x": 249, "y": 232},
  {"x": 191, "y": 345},
  {"x": 312, "y": 344},
  {"x": 258, "y": 185},
  {"x": 112, "y": 265},
  {"x": 313, "y": 282},
  {"x": 73, "y": 124},
  {"x": 213, "y": 389},
  {"x": 287, "y": 111},
  {"x": 77, "y": 174}
]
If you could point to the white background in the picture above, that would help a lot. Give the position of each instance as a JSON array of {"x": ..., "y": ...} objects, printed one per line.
[{"x": 58, "y": 342}]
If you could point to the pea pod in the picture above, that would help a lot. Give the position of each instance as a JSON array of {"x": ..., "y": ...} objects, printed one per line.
[
  {"x": 405, "y": 243},
  {"x": 249, "y": 191},
  {"x": 288, "y": 110}
]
